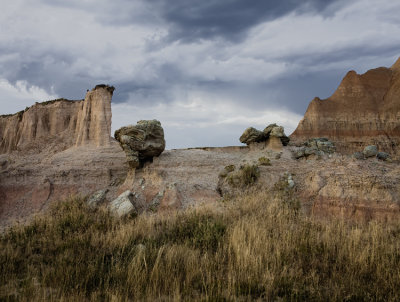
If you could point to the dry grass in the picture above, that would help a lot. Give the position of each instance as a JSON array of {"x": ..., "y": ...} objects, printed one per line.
[{"x": 257, "y": 248}]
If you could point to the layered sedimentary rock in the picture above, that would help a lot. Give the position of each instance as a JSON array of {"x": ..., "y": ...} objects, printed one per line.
[
  {"x": 60, "y": 124},
  {"x": 56, "y": 149},
  {"x": 364, "y": 110}
]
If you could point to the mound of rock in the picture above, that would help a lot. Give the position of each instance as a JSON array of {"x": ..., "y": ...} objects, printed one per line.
[
  {"x": 252, "y": 135},
  {"x": 315, "y": 146},
  {"x": 141, "y": 142}
]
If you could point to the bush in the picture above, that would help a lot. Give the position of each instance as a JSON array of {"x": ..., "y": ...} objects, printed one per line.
[
  {"x": 263, "y": 161},
  {"x": 245, "y": 177}
]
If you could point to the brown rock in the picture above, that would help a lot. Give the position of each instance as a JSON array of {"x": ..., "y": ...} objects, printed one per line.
[
  {"x": 364, "y": 110},
  {"x": 60, "y": 124}
]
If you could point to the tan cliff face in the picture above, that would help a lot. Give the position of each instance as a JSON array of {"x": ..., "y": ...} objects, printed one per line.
[
  {"x": 60, "y": 124},
  {"x": 364, "y": 110},
  {"x": 56, "y": 149}
]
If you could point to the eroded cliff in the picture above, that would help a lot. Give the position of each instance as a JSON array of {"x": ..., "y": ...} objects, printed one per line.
[
  {"x": 60, "y": 124},
  {"x": 364, "y": 110},
  {"x": 56, "y": 149}
]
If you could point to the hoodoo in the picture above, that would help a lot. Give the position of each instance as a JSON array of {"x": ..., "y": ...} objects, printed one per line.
[{"x": 364, "y": 110}]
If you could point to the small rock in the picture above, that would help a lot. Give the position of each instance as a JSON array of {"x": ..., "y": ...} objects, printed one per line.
[
  {"x": 382, "y": 155},
  {"x": 358, "y": 155},
  {"x": 290, "y": 181},
  {"x": 123, "y": 205},
  {"x": 370, "y": 151},
  {"x": 97, "y": 198}
]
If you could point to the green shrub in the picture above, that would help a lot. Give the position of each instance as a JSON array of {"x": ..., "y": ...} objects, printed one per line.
[
  {"x": 245, "y": 177},
  {"x": 264, "y": 161}
]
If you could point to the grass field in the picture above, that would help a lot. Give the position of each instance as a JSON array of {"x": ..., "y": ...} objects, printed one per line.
[{"x": 257, "y": 246}]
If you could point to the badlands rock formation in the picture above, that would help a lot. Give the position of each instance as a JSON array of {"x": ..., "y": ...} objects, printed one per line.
[
  {"x": 364, "y": 110},
  {"x": 273, "y": 136},
  {"x": 56, "y": 149},
  {"x": 60, "y": 124},
  {"x": 141, "y": 142}
]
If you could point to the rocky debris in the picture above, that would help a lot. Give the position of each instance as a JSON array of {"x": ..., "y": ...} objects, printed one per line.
[
  {"x": 141, "y": 142},
  {"x": 370, "y": 151},
  {"x": 382, "y": 156},
  {"x": 362, "y": 111},
  {"x": 358, "y": 155},
  {"x": 315, "y": 146},
  {"x": 123, "y": 205},
  {"x": 97, "y": 198},
  {"x": 252, "y": 135},
  {"x": 57, "y": 125}
]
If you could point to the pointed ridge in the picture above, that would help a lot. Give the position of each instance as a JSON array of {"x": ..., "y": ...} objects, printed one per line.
[{"x": 396, "y": 65}]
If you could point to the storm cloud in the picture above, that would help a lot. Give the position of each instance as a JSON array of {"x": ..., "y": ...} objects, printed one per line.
[{"x": 205, "y": 69}]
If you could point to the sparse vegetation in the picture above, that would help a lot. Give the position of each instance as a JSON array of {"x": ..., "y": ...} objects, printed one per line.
[
  {"x": 264, "y": 161},
  {"x": 246, "y": 176},
  {"x": 257, "y": 248}
]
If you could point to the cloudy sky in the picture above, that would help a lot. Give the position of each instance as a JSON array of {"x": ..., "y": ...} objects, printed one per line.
[{"x": 206, "y": 69}]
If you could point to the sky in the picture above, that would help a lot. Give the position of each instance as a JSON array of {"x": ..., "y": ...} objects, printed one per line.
[{"x": 206, "y": 69}]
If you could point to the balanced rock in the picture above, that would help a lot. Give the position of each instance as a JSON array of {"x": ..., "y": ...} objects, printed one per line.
[
  {"x": 370, "y": 151},
  {"x": 141, "y": 142},
  {"x": 252, "y": 135}
]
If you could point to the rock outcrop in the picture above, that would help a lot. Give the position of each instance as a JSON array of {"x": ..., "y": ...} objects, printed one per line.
[
  {"x": 364, "y": 110},
  {"x": 141, "y": 142},
  {"x": 56, "y": 149},
  {"x": 59, "y": 124},
  {"x": 273, "y": 135}
]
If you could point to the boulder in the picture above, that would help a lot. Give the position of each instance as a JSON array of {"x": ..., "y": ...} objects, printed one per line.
[
  {"x": 97, "y": 198},
  {"x": 277, "y": 131},
  {"x": 252, "y": 135},
  {"x": 370, "y": 151},
  {"x": 269, "y": 128},
  {"x": 123, "y": 205},
  {"x": 382, "y": 156},
  {"x": 141, "y": 142}
]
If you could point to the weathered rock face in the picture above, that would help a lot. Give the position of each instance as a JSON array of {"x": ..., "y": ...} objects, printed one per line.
[
  {"x": 56, "y": 149},
  {"x": 364, "y": 110},
  {"x": 60, "y": 124},
  {"x": 141, "y": 142}
]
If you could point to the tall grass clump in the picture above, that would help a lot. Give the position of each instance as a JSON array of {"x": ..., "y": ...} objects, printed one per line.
[{"x": 257, "y": 247}]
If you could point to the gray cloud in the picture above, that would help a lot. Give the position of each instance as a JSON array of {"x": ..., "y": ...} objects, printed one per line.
[
  {"x": 227, "y": 19},
  {"x": 246, "y": 58}
]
